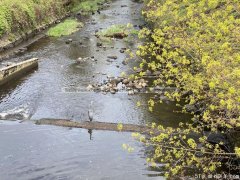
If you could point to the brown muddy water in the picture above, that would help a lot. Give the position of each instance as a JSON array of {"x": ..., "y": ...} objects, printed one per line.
[{"x": 29, "y": 151}]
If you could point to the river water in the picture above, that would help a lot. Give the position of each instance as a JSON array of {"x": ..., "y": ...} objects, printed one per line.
[{"x": 29, "y": 151}]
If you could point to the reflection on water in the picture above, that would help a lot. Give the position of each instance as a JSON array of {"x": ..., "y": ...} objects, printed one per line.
[{"x": 45, "y": 152}]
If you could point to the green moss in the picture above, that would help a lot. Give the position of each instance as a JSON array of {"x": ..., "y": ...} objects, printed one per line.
[{"x": 67, "y": 27}]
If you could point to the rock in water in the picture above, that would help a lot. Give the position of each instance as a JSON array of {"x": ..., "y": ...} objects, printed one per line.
[
  {"x": 80, "y": 60},
  {"x": 112, "y": 57},
  {"x": 124, "y": 62},
  {"x": 112, "y": 91},
  {"x": 138, "y": 86},
  {"x": 131, "y": 92},
  {"x": 90, "y": 87},
  {"x": 99, "y": 44},
  {"x": 125, "y": 81},
  {"x": 69, "y": 41}
]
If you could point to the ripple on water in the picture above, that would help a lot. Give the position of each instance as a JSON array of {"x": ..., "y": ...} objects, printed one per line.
[
  {"x": 47, "y": 152},
  {"x": 17, "y": 113}
]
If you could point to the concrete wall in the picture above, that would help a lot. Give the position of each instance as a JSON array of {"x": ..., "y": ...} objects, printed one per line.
[{"x": 16, "y": 70}]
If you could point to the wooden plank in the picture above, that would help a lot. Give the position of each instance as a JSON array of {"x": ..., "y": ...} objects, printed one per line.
[{"x": 94, "y": 125}]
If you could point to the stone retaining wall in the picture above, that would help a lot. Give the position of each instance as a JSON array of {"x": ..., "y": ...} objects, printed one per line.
[{"x": 16, "y": 70}]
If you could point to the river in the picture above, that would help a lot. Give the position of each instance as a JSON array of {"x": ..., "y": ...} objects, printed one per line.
[{"x": 29, "y": 151}]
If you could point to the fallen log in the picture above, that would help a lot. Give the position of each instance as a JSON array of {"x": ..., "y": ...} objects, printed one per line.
[{"x": 95, "y": 125}]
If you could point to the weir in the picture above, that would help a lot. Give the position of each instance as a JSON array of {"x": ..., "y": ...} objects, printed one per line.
[{"x": 16, "y": 70}]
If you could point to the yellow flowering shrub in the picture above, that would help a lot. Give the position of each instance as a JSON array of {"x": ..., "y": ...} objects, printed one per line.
[{"x": 195, "y": 45}]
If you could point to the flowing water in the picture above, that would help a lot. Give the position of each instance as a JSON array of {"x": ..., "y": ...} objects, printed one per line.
[{"x": 54, "y": 90}]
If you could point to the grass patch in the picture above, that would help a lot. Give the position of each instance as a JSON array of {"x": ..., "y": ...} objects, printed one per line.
[
  {"x": 87, "y": 6},
  {"x": 117, "y": 31},
  {"x": 67, "y": 27}
]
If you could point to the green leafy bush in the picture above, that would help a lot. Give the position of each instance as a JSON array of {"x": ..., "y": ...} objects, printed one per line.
[{"x": 195, "y": 46}]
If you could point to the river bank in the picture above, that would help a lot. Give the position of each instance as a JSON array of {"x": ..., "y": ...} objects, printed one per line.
[
  {"x": 23, "y": 24},
  {"x": 20, "y": 21}
]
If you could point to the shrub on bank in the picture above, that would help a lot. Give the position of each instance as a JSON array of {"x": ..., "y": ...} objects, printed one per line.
[{"x": 195, "y": 46}]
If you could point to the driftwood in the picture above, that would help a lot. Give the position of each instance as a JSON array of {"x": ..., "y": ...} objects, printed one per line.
[{"x": 95, "y": 125}]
